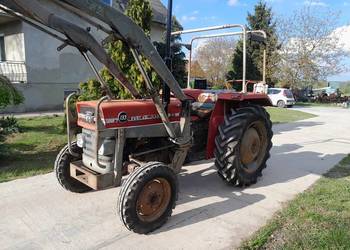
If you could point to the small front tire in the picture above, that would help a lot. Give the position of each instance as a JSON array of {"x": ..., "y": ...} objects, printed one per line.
[
  {"x": 148, "y": 197},
  {"x": 62, "y": 170}
]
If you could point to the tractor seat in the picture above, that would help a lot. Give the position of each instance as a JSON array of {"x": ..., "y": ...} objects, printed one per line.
[
  {"x": 204, "y": 102},
  {"x": 201, "y": 109}
]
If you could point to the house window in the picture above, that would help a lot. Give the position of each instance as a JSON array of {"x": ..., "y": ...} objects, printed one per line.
[
  {"x": 2, "y": 49},
  {"x": 108, "y": 2}
]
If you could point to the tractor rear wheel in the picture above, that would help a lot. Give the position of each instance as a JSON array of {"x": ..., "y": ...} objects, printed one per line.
[
  {"x": 243, "y": 145},
  {"x": 148, "y": 197},
  {"x": 62, "y": 170}
]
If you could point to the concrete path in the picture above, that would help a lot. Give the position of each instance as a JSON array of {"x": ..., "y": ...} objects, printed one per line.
[
  {"x": 35, "y": 213},
  {"x": 34, "y": 114}
]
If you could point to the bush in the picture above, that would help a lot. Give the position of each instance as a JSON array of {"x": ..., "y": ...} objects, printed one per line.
[
  {"x": 9, "y": 95},
  {"x": 9, "y": 125}
]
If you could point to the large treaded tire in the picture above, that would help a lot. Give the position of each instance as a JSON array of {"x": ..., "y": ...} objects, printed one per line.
[
  {"x": 62, "y": 170},
  {"x": 131, "y": 190},
  {"x": 228, "y": 145}
]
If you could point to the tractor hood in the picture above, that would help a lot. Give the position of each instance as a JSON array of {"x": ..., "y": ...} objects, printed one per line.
[{"x": 126, "y": 113}]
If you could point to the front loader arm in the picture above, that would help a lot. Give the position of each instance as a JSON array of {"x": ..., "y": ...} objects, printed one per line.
[
  {"x": 116, "y": 25},
  {"x": 133, "y": 35},
  {"x": 122, "y": 26}
]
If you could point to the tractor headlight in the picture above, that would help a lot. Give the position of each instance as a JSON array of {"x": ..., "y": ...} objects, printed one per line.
[
  {"x": 107, "y": 147},
  {"x": 80, "y": 140}
]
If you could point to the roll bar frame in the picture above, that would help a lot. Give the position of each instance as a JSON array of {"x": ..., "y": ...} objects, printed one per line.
[{"x": 244, "y": 33}]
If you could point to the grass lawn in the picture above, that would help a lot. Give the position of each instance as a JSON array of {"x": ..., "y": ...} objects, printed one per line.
[
  {"x": 279, "y": 115},
  {"x": 33, "y": 151},
  {"x": 317, "y": 219}
]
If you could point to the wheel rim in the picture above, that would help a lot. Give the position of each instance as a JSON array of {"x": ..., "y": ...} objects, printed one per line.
[
  {"x": 253, "y": 146},
  {"x": 153, "y": 200}
]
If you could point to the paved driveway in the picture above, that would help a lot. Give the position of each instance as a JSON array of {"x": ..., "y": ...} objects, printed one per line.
[{"x": 35, "y": 213}]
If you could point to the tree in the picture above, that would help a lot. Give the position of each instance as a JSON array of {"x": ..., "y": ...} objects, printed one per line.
[
  {"x": 345, "y": 88},
  {"x": 311, "y": 49},
  {"x": 141, "y": 13},
  {"x": 214, "y": 58},
  {"x": 261, "y": 19},
  {"x": 196, "y": 70},
  {"x": 177, "y": 55},
  {"x": 9, "y": 95}
]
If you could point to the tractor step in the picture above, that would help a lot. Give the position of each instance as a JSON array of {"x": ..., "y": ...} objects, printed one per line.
[{"x": 91, "y": 178}]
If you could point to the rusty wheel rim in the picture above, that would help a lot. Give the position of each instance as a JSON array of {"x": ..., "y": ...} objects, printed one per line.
[
  {"x": 253, "y": 146},
  {"x": 153, "y": 200}
]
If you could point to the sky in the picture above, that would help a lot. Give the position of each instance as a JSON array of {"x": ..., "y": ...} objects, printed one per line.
[{"x": 203, "y": 13}]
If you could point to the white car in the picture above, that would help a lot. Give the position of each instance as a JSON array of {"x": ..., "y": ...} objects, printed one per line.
[{"x": 281, "y": 97}]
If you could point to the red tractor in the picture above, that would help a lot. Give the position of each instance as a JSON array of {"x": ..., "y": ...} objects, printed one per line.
[{"x": 145, "y": 139}]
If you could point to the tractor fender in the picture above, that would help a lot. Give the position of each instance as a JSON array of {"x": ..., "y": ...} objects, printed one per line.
[{"x": 225, "y": 102}]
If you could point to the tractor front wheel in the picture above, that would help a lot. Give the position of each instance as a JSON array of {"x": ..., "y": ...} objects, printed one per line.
[
  {"x": 148, "y": 197},
  {"x": 62, "y": 170},
  {"x": 243, "y": 145}
]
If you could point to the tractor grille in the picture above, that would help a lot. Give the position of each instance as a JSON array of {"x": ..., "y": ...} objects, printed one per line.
[{"x": 106, "y": 162}]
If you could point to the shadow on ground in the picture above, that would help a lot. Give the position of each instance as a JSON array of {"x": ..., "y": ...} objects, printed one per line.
[
  {"x": 286, "y": 164},
  {"x": 285, "y": 127},
  {"x": 205, "y": 183}
]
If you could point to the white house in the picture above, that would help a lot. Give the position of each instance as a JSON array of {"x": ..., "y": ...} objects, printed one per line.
[{"x": 29, "y": 58}]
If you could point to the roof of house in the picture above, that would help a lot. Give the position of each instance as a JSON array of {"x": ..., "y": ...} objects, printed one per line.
[{"x": 159, "y": 10}]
